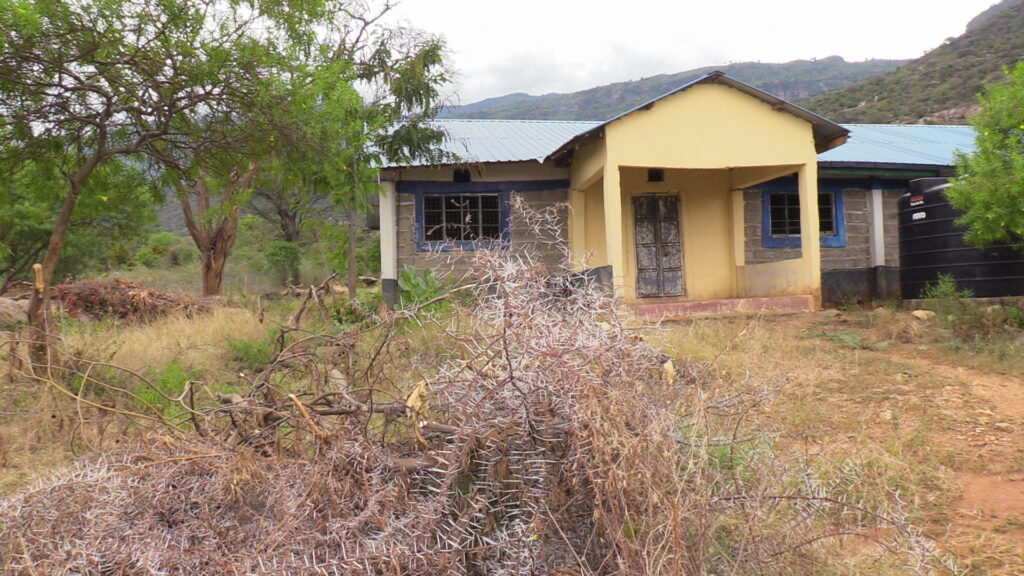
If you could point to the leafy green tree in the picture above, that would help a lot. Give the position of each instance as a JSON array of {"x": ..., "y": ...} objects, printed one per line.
[
  {"x": 97, "y": 80},
  {"x": 315, "y": 132},
  {"x": 990, "y": 183},
  {"x": 110, "y": 222}
]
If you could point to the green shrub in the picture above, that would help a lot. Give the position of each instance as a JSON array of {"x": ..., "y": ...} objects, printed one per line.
[
  {"x": 170, "y": 382},
  {"x": 166, "y": 250},
  {"x": 283, "y": 259},
  {"x": 421, "y": 287}
]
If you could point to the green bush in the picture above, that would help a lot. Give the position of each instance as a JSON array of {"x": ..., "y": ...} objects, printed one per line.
[
  {"x": 421, "y": 287},
  {"x": 283, "y": 260},
  {"x": 166, "y": 250},
  {"x": 169, "y": 381}
]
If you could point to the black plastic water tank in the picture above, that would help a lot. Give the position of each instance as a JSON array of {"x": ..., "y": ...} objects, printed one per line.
[{"x": 932, "y": 243}]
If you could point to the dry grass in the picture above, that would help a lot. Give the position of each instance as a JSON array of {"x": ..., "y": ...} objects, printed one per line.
[
  {"x": 532, "y": 434},
  {"x": 879, "y": 403},
  {"x": 200, "y": 343}
]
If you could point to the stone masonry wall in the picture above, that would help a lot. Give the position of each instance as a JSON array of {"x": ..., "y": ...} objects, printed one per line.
[{"x": 545, "y": 248}]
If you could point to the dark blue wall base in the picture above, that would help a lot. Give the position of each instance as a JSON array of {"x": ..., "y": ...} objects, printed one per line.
[
  {"x": 859, "y": 286},
  {"x": 601, "y": 275},
  {"x": 390, "y": 291}
]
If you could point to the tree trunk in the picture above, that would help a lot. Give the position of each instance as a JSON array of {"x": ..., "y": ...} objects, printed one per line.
[
  {"x": 213, "y": 272},
  {"x": 353, "y": 238},
  {"x": 289, "y": 222},
  {"x": 39, "y": 305},
  {"x": 214, "y": 239}
]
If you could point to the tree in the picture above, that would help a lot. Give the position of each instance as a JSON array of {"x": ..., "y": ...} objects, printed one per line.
[
  {"x": 362, "y": 133},
  {"x": 989, "y": 188},
  {"x": 115, "y": 211},
  {"x": 102, "y": 79},
  {"x": 214, "y": 229}
]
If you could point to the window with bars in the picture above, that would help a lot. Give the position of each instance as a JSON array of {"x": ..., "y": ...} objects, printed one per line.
[
  {"x": 782, "y": 219},
  {"x": 784, "y": 209},
  {"x": 455, "y": 218}
]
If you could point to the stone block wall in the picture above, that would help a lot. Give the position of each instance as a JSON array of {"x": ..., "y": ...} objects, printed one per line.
[{"x": 545, "y": 246}]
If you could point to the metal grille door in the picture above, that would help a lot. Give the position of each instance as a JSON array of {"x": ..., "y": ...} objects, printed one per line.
[{"x": 659, "y": 251}]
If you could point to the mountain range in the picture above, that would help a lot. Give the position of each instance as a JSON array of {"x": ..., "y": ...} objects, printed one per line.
[
  {"x": 791, "y": 81},
  {"x": 938, "y": 88}
]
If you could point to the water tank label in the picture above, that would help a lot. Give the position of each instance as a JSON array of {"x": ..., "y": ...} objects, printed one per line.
[
  {"x": 916, "y": 200},
  {"x": 919, "y": 216}
]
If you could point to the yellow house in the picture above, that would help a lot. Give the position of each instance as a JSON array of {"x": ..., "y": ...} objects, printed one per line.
[{"x": 656, "y": 194}]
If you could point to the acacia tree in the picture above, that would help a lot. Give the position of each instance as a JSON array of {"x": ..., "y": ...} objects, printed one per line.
[
  {"x": 175, "y": 79},
  {"x": 364, "y": 99},
  {"x": 989, "y": 188},
  {"x": 115, "y": 210},
  {"x": 103, "y": 79}
]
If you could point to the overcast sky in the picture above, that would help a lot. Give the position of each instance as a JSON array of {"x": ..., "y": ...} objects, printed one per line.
[{"x": 542, "y": 46}]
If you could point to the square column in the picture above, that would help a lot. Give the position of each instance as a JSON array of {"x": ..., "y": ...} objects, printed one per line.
[
  {"x": 810, "y": 232},
  {"x": 613, "y": 222},
  {"x": 389, "y": 242}
]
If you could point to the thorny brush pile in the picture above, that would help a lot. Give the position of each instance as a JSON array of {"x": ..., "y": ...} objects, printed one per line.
[{"x": 533, "y": 434}]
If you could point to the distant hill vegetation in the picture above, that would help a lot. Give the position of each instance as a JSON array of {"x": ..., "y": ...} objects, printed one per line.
[
  {"x": 941, "y": 86},
  {"x": 791, "y": 81}
]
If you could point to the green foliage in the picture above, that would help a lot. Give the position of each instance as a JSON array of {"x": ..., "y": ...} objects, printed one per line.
[
  {"x": 945, "y": 290},
  {"x": 347, "y": 312},
  {"x": 252, "y": 355},
  {"x": 212, "y": 91},
  {"x": 990, "y": 186},
  {"x": 166, "y": 250},
  {"x": 939, "y": 87},
  {"x": 419, "y": 287},
  {"x": 116, "y": 209},
  {"x": 332, "y": 249},
  {"x": 283, "y": 259},
  {"x": 953, "y": 308},
  {"x": 170, "y": 381}
]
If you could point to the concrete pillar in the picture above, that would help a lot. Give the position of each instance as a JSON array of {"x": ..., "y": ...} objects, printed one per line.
[
  {"x": 877, "y": 225},
  {"x": 810, "y": 241},
  {"x": 739, "y": 244},
  {"x": 613, "y": 222},
  {"x": 389, "y": 242},
  {"x": 577, "y": 229}
]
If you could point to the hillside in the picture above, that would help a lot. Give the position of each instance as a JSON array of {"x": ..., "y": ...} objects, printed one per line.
[
  {"x": 939, "y": 87},
  {"x": 791, "y": 80}
]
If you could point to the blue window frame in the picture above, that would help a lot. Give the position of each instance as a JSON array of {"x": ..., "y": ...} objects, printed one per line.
[
  {"x": 466, "y": 215},
  {"x": 780, "y": 215}
]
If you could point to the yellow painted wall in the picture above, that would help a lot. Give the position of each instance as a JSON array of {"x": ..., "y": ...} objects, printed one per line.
[
  {"x": 709, "y": 126},
  {"x": 775, "y": 279},
  {"x": 709, "y": 139},
  {"x": 594, "y": 234}
]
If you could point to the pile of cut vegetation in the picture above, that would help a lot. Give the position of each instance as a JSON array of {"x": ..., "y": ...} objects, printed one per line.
[
  {"x": 543, "y": 437},
  {"x": 124, "y": 300}
]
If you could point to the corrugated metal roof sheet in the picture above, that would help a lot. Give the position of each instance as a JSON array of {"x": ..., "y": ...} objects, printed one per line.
[
  {"x": 524, "y": 140},
  {"x": 902, "y": 144},
  {"x": 508, "y": 140}
]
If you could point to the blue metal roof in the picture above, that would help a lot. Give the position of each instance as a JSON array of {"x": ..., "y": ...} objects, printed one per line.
[
  {"x": 902, "y": 144},
  {"x": 525, "y": 140},
  {"x": 507, "y": 140}
]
